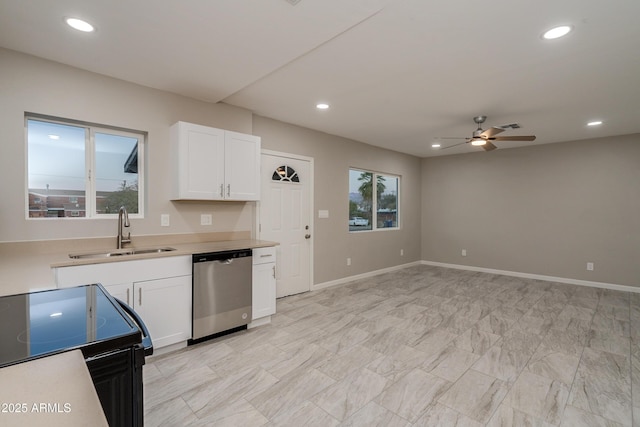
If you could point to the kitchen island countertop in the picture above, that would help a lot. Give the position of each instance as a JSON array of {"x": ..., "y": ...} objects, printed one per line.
[{"x": 52, "y": 391}]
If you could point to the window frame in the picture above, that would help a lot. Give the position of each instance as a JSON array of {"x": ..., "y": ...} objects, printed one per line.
[
  {"x": 90, "y": 129},
  {"x": 374, "y": 202}
]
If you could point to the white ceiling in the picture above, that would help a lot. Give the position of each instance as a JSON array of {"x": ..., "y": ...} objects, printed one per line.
[{"x": 397, "y": 73}]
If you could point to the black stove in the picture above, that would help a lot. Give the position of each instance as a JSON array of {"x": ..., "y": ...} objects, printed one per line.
[
  {"x": 43, "y": 323},
  {"x": 108, "y": 332}
]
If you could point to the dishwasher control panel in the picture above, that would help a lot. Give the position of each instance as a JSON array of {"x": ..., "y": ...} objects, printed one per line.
[{"x": 217, "y": 256}]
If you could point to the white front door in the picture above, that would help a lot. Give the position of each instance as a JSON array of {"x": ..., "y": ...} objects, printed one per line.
[{"x": 286, "y": 217}]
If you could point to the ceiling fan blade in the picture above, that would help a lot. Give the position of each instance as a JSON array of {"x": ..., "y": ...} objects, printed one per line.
[
  {"x": 489, "y": 133},
  {"x": 488, "y": 146},
  {"x": 454, "y": 145},
  {"x": 449, "y": 137},
  {"x": 514, "y": 138}
]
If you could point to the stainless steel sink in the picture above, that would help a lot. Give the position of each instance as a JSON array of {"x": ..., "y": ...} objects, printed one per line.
[
  {"x": 120, "y": 253},
  {"x": 152, "y": 250}
]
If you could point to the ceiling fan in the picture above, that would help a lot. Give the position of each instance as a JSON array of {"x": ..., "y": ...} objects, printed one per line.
[{"x": 482, "y": 138}]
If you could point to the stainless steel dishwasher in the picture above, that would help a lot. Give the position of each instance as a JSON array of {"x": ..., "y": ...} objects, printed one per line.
[{"x": 221, "y": 292}]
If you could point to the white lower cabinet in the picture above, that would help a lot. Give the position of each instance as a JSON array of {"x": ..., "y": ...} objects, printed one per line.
[
  {"x": 159, "y": 290},
  {"x": 124, "y": 292},
  {"x": 163, "y": 304},
  {"x": 264, "y": 282}
]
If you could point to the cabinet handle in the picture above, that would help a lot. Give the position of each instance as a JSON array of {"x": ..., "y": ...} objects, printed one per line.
[
  {"x": 266, "y": 256},
  {"x": 221, "y": 190},
  {"x": 140, "y": 297},
  {"x": 128, "y": 303},
  {"x": 228, "y": 190},
  {"x": 274, "y": 271}
]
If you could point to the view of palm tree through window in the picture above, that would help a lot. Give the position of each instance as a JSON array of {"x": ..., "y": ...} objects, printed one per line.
[
  {"x": 81, "y": 171},
  {"x": 372, "y": 207}
]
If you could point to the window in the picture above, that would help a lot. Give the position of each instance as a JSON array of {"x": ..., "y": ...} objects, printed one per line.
[
  {"x": 373, "y": 208},
  {"x": 285, "y": 173},
  {"x": 82, "y": 170}
]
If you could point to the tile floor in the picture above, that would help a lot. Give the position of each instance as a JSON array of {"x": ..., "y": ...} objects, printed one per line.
[{"x": 422, "y": 346}]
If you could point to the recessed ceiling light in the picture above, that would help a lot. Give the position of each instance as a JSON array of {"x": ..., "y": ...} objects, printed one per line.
[
  {"x": 80, "y": 25},
  {"x": 52, "y": 136},
  {"x": 436, "y": 145},
  {"x": 557, "y": 32},
  {"x": 595, "y": 123},
  {"x": 322, "y": 106}
]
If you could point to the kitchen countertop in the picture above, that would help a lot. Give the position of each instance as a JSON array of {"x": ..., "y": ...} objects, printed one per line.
[
  {"x": 51, "y": 391},
  {"x": 180, "y": 249},
  {"x": 20, "y": 272}
]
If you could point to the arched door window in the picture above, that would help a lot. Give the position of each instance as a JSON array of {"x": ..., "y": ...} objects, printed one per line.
[{"x": 285, "y": 173}]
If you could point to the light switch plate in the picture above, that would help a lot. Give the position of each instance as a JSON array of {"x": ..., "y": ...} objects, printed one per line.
[
  {"x": 164, "y": 220},
  {"x": 323, "y": 213}
]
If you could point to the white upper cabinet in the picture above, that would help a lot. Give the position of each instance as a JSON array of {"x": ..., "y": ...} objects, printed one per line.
[
  {"x": 241, "y": 166},
  {"x": 214, "y": 164},
  {"x": 197, "y": 153}
]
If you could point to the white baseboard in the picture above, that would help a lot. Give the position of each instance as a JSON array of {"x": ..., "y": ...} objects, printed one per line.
[
  {"x": 614, "y": 286},
  {"x": 362, "y": 276},
  {"x": 603, "y": 285}
]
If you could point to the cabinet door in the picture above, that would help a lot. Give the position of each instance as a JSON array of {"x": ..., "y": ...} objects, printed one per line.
[
  {"x": 199, "y": 153},
  {"x": 264, "y": 290},
  {"x": 242, "y": 166},
  {"x": 124, "y": 292},
  {"x": 165, "y": 307}
]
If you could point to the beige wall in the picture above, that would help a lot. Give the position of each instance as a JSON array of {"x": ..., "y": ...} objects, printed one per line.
[
  {"x": 39, "y": 86},
  {"x": 546, "y": 209},
  {"x": 333, "y": 156},
  {"x": 35, "y": 85}
]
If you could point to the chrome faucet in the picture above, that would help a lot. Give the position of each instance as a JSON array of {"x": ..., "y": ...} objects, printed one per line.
[{"x": 122, "y": 213}]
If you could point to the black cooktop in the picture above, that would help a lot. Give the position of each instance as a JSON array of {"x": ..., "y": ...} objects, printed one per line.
[{"x": 42, "y": 323}]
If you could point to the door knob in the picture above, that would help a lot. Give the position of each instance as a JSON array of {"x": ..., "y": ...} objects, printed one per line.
[{"x": 307, "y": 236}]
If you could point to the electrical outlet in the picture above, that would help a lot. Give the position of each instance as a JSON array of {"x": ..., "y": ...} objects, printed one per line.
[
  {"x": 205, "y": 219},
  {"x": 348, "y": 261},
  {"x": 464, "y": 252},
  {"x": 401, "y": 252},
  {"x": 164, "y": 220},
  {"x": 590, "y": 266}
]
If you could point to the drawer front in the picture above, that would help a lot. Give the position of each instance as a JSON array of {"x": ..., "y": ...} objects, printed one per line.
[{"x": 264, "y": 255}]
